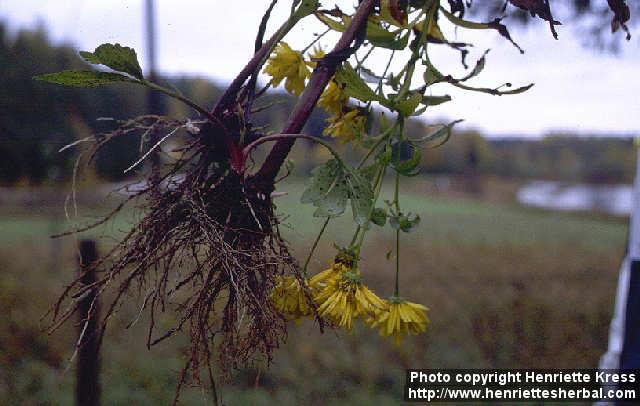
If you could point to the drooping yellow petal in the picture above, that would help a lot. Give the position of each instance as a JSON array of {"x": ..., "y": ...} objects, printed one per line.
[
  {"x": 342, "y": 297},
  {"x": 399, "y": 318},
  {"x": 318, "y": 281},
  {"x": 333, "y": 99},
  {"x": 318, "y": 53},
  {"x": 289, "y": 65},
  {"x": 347, "y": 127},
  {"x": 289, "y": 298}
]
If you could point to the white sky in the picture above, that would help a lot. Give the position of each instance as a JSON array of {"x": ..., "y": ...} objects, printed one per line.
[{"x": 575, "y": 88}]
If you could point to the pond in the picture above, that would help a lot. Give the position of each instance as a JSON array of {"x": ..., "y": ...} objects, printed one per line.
[{"x": 611, "y": 199}]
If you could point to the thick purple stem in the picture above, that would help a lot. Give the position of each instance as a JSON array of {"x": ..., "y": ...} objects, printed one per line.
[{"x": 318, "y": 81}]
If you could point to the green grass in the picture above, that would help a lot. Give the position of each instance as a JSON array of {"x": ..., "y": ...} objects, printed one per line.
[
  {"x": 471, "y": 222},
  {"x": 507, "y": 287}
]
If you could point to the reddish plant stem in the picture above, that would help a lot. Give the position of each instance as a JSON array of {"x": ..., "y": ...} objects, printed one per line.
[{"x": 318, "y": 81}]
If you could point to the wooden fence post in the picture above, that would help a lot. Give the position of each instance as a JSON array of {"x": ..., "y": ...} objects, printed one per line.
[{"x": 88, "y": 365}]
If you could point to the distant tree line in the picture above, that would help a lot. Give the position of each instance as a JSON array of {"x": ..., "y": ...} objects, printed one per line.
[
  {"x": 568, "y": 158},
  {"x": 37, "y": 119}
]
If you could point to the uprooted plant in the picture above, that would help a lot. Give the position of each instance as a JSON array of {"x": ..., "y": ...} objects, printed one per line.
[{"x": 208, "y": 245}]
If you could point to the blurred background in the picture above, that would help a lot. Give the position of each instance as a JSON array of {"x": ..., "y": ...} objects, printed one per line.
[{"x": 524, "y": 211}]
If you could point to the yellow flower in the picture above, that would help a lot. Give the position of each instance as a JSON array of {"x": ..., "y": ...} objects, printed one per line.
[
  {"x": 318, "y": 53},
  {"x": 319, "y": 281},
  {"x": 288, "y": 297},
  {"x": 347, "y": 127},
  {"x": 333, "y": 99},
  {"x": 399, "y": 318},
  {"x": 285, "y": 63},
  {"x": 344, "y": 298}
]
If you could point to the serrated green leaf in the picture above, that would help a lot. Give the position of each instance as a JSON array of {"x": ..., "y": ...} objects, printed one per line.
[
  {"x": 332, "y": 185},
  {"x": 361, "y": 196},
  {"x": 335, "y": 201},
  {"x": 324, "y": 177},
  {"x": 369, "y": 172},
  {"x": 379, "y": 216},
  {"x": 116, "y": 57},
  {"x": 82, "y": 78}
]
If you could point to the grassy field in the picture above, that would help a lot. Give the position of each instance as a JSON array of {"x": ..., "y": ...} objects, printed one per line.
[{"x": 507, "y": 287}]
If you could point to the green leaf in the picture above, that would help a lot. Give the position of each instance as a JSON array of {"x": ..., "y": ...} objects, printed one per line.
[
  {"x": 480, "y": 64},
  {"x": 387, "y": 13},
  {"x": 409, "y": 223},
  {"x": 406, "y": 223},
  {"x": 369, "y": 172},
  {"x": 333, "y": 203},
  {"x": 435, "y": 100},
  {"x": 394, "y": 81},
  {"x": 432, "y": 75},
  {"x": 368, "y": 75},
  {"x": 324, "y": 177},
  {"x": 379, "y": 216},
  {"x": 464, "y": 23},
  {"x": 353, "y": 85},
  {"x": 116, "y": 57},
  {"x": 82, "y": 78},
  {"x": 493, "y": 25},
  {"x": 517, "y": 90},
  {"x": 376, "y": 34},
  {"x": 438, "y": 132},
  {"x": 409, "y": 167},
  {"x": 332, "y": 185},
  {"x": 331, "y": 23},
  {"x": 385, "y": 156},
  {"x": 380, "y": 37},
  {"x": 409, "y": 105},
  {"x": 361, "y": 196},
  {"x": 307, "y": 7}
]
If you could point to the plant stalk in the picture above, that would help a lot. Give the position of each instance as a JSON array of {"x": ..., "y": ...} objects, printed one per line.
[{"x": 306, "y": 103}]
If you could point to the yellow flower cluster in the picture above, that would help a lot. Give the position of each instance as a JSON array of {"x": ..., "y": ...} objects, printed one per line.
[
  {"x": 346, "y": 127},
  {"x": 341, "y": 297},
  {"x": 289, "y": 298},
  {"x": 345, "y": 124},
  {"x": 400, "y": 318},
  {"x": 289, "y": 65}
]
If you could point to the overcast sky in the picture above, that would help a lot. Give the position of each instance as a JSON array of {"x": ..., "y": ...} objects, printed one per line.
[{"x": 575, "y": 88}]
